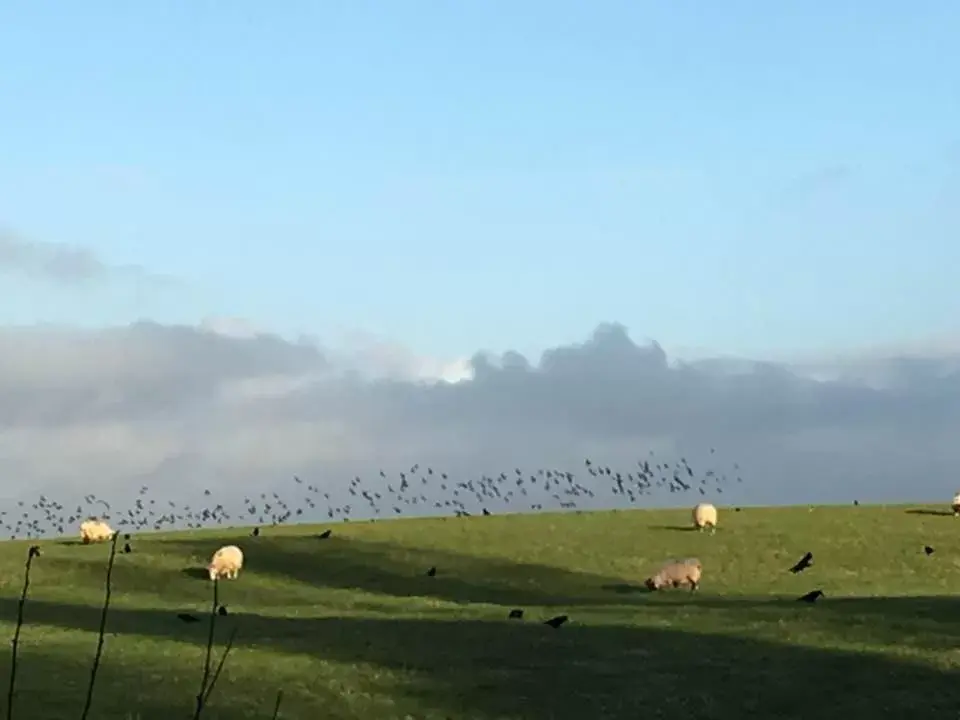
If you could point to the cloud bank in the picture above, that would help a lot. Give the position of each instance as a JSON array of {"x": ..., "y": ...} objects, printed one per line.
[{"x": 226, "y": 407}]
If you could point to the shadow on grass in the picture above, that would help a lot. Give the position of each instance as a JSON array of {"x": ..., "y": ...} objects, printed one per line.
[
  {"x": 146, "y": 573},
  {"x": 50, "y": 687},
  {"x": 927, "y": 622},
  {"x": 196, "y": 573},
  {"x": 625, "y": 588},
  {"x": 389, "y": 569},
  {"x": 943, "y": 610},
  {"x": 675, "y": 528},
  {"x": 479, "y": 669},
  {"x": 928, "y": 511}
]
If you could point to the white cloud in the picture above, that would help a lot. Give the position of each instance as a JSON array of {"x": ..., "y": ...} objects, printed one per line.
[
  {"x": 226, "y": 406},
  {"x": 373, "y": 358}
]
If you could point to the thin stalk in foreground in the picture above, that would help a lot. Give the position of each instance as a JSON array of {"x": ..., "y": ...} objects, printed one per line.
[
  {"x": 31, "y": 554},
  {"x": 276, "y": 707},
  {"x": 201, "y": 696},
  {"x": 103, "y": 628},
  {"x": 223, "y": 660}
]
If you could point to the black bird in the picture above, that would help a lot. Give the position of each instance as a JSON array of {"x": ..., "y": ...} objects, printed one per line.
[
  {"x": 188, "y": 618},
  {"x": 928, "y": 550},
  {"x": 516, "y": 614},
  {"x": 805, "y": 562},
  {"x": 325, "y": 534},
  {"x": 126, "y": 536},
  {"x": 856, "y": 502},
  {"x": 256, "y": 532},
  {"x": 127, "y": 548},
  {"x": 432, "y": 572},
  {"x": 222, "y": 610},
  {"x": 557, "y": 621},
  {"x": 811, "y": 597}
]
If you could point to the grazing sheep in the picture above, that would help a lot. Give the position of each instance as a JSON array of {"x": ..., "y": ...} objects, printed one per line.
[
  {"x": 94, "y": 530},
  {"x": 956, "y": 504},
  {"x": 226, "y": 563},
  {"x": 675, "y": 574},
  {"x": 705, "y": 515}
]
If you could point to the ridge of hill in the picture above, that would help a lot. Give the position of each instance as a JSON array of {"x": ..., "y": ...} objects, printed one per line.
[{"x": 352, "y": 626}]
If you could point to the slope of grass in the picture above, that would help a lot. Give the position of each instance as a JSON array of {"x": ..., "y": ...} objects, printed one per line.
[{"x": 351, "y": 626}]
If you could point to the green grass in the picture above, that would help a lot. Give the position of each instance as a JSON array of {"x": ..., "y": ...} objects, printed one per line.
[{"x": 351, "y": 627}]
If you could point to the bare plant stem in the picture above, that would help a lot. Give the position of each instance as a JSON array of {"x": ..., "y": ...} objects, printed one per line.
[
  {"x": 201, "y": 696},
  {"x": 31, "y": 554},
  {"x": 103, "y": 628},
  {"x": 276, "y": 707},
  {"x": 223, "y": 660}
]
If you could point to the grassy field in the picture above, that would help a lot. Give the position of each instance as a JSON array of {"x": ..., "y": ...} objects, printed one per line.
[{"x": 352, "y": 627}]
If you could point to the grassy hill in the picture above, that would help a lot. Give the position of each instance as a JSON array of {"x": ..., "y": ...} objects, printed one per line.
[{"x": 352, "y": 627}]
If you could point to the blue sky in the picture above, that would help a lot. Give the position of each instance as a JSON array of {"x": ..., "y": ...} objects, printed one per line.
[{"x": 740, "y": 177}]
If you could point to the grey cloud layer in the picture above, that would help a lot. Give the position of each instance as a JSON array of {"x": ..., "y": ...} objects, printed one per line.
[
  {"x": 189, "y": 407},
  {"x": 63, "y": 264}
]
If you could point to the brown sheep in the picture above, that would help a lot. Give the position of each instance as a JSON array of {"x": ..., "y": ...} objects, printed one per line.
[{"x": 677, "y": 573}]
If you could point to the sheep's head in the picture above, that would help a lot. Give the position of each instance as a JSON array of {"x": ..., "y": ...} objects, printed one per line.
[
  {"x": 651, "y": 584},
  {"x": 212, "y": 570}
]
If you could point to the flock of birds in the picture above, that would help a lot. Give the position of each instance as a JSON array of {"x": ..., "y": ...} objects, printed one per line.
[
  {"x": 418, "y": 491},
  {"x": 415, "y": 491}
]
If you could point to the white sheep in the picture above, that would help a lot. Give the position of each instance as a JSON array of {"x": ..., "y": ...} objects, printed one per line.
[
  {"x": 226, "y": 563},
  {"x": 705, "y": 515},
  {"x": 676, "y": 573},
  {"x": 94, "y": 530},
  {"x": 956, "y": 504}
]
